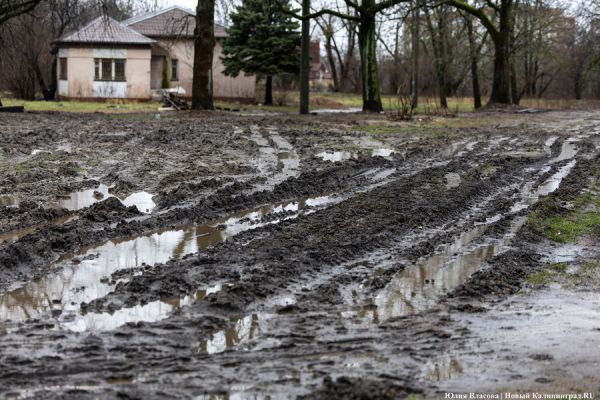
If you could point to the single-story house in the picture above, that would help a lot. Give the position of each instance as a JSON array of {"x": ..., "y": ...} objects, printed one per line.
[{"x": 135, "y": 58}]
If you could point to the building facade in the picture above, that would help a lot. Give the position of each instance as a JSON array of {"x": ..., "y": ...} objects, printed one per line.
[{"x": 134, "y": 59}]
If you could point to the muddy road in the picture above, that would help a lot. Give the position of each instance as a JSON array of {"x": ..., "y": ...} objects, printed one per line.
[{"x": 229, "y": 256}]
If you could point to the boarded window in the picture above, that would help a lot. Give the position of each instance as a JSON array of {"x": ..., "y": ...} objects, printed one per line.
[
  {"x": 106, "y": 69},
  {"x": 174, "y": 70},
  {"x": 63, "y": 69},
  {"x": 119, "y": 70}
]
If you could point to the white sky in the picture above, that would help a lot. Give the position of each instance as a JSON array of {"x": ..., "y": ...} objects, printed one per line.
[{"x": 191, "y": 4}]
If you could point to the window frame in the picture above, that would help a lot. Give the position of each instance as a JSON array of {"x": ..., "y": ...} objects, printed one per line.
[
  {"x": 63, "y": 65},
  {"x": 174, "y": 69},
  {"x": 100, "y": 65}
]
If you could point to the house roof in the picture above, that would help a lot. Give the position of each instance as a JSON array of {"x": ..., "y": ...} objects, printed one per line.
[
  {"x": 174, "y": 21},
  {"x": 106, "y": 30}
]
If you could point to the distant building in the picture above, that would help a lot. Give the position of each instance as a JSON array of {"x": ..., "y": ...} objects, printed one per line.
[
  {"x": 135, "y": 58},
  {"x": 320, "y": 76}
]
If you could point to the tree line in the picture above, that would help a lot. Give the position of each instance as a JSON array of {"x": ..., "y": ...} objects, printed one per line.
[{"x": 502, "y": 50}]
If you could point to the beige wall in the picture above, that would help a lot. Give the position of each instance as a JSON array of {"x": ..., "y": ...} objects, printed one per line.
[
  {"x": 223, "y": 86},
  {"x": 80, "y": 73},
  {"x": 137, "y": 70}
]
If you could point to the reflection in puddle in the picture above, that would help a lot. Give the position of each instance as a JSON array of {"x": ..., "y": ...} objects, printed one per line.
[
  {"x": 443, "y": 368},
  {"x": 142, "y": 201},
  {"x": 452, "y": 180},
  {"x": 85, "y": 198},
  {"x": 15, "y": 235},
  {"x": 418, "y": 288},
  {"x": 567, "y": 151},
  {"x": 337, "y": 156},
  {"x": 244, "y": 329},
  {"x": 530, "y": 197},
  {"x": 89, "y": 278},
  {"x": 151, "y": 312}
]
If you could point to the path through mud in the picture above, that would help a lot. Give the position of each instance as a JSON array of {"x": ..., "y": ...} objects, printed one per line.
[{"x": 265, "y": 257}]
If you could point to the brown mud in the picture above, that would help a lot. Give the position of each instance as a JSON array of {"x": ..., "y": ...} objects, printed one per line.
[{"x": 231, "y": 256}]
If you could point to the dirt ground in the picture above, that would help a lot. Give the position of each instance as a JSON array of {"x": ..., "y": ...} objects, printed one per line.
[{"x": 232, "y": 256}]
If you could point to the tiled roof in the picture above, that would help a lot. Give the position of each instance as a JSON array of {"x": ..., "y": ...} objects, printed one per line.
[
  {"x": 106, "y": 30},
  {"x": 174, "y": 21}
]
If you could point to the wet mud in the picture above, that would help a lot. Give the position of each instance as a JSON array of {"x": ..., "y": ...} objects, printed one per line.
[{"x": 238, "y": 256}]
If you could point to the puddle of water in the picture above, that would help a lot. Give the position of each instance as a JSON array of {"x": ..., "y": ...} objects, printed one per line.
[
  {"x": 142, "y": 201},
  {"x": 244, "y": 329},
  {"x": 337, "y": 156},
  {"x": 443, "y": 368},
  {"x": 337, "y": 110},
  {"x": 270, "y": 156},
  {"x": 89, "y": 279},
  {"x": 547, "y": 187},
  {"x": 418, "y": 288},
  {"x": 12, "y": 236},
  {"x": 568, "y": 150},
  {"x": 85, "y": 198},
  {"x": 150, "y": 312},
  {"x": 452, "y": 180},
  {"x": 385, "y": 153},
  {"x": 550, "y": 141}
]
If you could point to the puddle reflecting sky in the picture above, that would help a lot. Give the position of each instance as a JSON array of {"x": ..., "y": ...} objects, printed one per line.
[
  {"x": 85, "y": 198},
  {"x": 338, "y": 156},
  {"x": 151, "y": 312},
  {"x": 418, "y": 288},
  {"x": 89, "y": 279},
  {"x": 443, "y": 368},
  {"x": 243, "y": 330}
]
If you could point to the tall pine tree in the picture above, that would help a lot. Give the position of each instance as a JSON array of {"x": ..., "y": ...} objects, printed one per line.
[{"x": 263, "y": 41}]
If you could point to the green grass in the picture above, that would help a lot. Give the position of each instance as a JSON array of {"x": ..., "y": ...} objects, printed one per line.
[
  {"x": 84, "y": 106},
  {"x": 560, "y": 226},
  {"x": 586, "y": 275},
  {"x": 569, "y": 228}
]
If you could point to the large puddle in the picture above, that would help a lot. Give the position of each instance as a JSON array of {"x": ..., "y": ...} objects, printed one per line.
[
  {"x": 85, "y": 198},
  {"x": 87, "y": 276}
]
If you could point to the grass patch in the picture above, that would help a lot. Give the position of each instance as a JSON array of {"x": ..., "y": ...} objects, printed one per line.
[
  {"x": 563, "y": 226},
  {"x": 585, "y": 276},
  {"x": 110, "y": 107}
]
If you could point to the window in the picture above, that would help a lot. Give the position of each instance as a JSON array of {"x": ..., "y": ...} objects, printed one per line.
[
  {"x": 63, "y": 69},
  {"x": 96, "y": 69},
  {"x": 108, "y": 69},
  {"x": 174, "y": 70},
  {"x": 120, "y": 70}
]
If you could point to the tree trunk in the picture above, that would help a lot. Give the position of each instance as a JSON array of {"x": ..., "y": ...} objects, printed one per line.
[
  {"x": 269, "y": 91},
  {"x": 371, "y": 91},
  {"x": 501, "y": 38},
  {"x": 305, "y": 64},
  {"x": 202, "y": 85},
  {"x": 331, "y": 60},
  {"x": 474, "y": 60},
  {"x": 53, "y": 85},
  {"x": 415, "y": 44}
]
